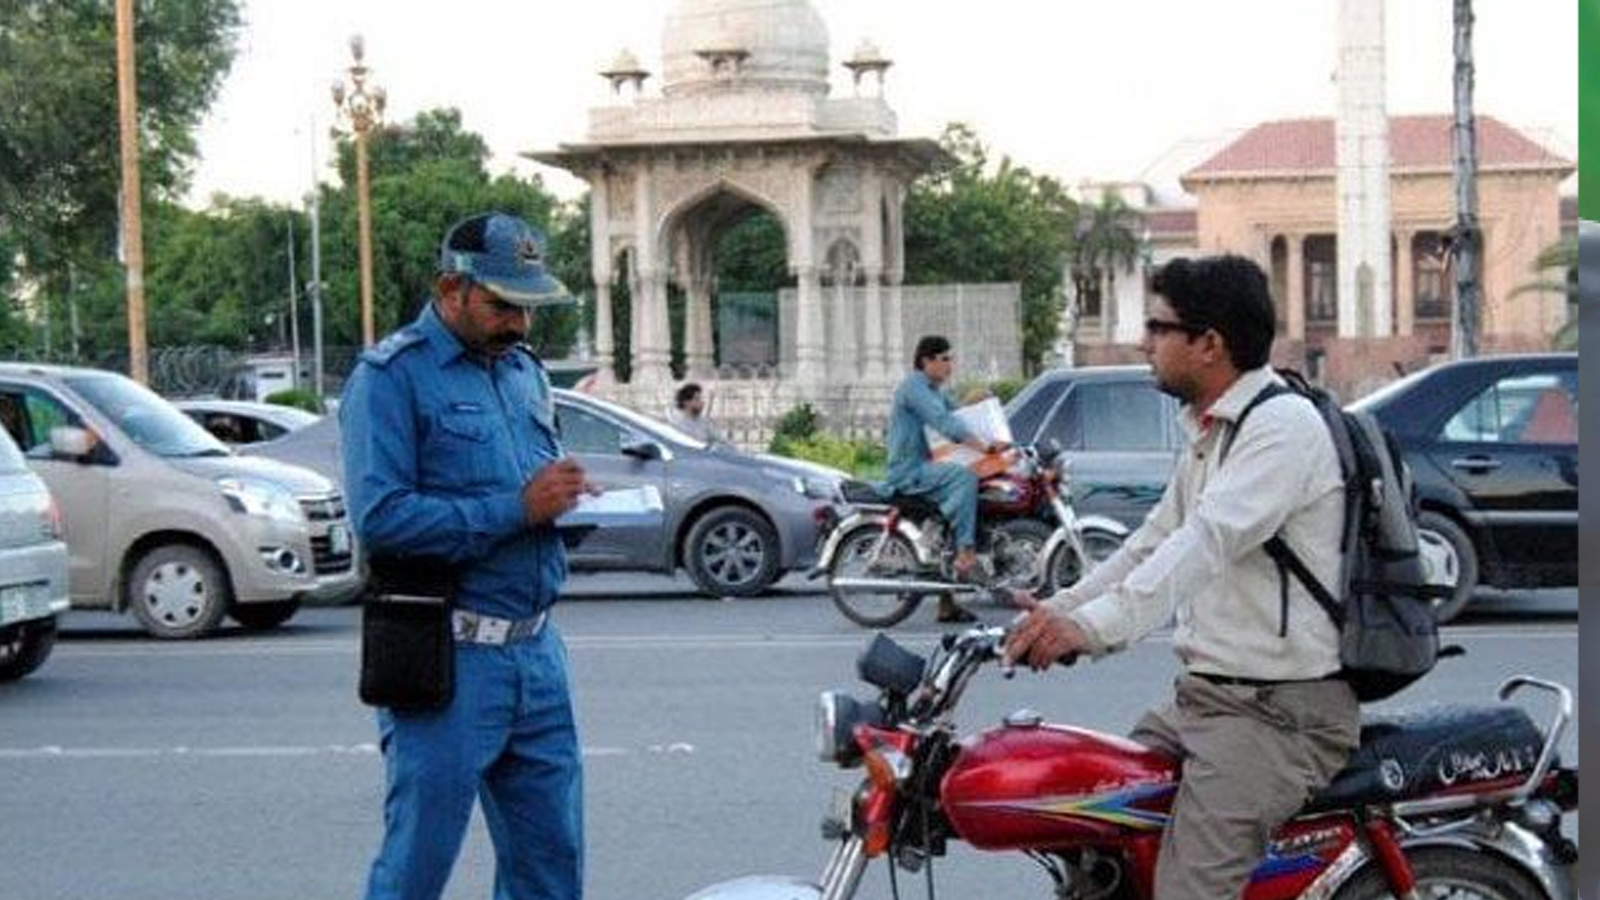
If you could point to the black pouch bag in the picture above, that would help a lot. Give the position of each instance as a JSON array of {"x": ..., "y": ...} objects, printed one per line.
[{"x": 407, "y": 647}]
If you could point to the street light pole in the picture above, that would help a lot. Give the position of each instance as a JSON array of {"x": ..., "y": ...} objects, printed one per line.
[{"x": 362, "y": 108}]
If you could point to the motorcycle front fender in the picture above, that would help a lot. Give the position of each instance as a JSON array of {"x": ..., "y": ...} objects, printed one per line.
[
  {"x": 1085, "y": 524},
  {"x": 761, "y": 887}
]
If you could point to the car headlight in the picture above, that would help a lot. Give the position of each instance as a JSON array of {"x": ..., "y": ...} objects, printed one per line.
[
  {"x": 256, "y": 497},
  {"x": 838, "y": 714},
  {"x": 813, "y": 487}
]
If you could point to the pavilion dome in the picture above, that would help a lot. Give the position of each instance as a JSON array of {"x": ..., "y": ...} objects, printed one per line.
[{"x": 730, "y": 45}]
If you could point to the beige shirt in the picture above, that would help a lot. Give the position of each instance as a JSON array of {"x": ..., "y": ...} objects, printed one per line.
[{"x": 1198, "y": 554}]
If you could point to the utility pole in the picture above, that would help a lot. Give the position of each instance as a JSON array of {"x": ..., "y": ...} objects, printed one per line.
[
  {"x": 315, "y": 287},
  {"x": 1466, "y": 243},
  {"x": 294, "y": 311},
  {"x": 132, "y": 240}
]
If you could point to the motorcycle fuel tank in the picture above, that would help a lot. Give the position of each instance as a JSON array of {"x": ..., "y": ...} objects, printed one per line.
[
  {"x": 1007, "y": 495},
  {"x": 1027, "y": 785}
]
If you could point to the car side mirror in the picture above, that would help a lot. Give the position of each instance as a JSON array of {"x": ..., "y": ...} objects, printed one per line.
[
  {"x": 642, "y": 449},
  {"x": 76, "y": 444}
]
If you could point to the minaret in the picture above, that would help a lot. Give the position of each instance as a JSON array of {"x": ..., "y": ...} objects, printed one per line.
[{"x": 1366, "y": 306}]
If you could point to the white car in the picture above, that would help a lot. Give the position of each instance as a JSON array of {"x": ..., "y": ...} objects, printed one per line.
[
  {"x": 240, "y": 422},
  {"x": 33, "y": 566}
]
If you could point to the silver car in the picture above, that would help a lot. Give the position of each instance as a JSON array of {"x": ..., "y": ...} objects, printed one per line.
[
  {"x": 735, "y": 521},
  {"x": 239, "y": 422},
  {"x": 164, "y": 520},
  {"x": 33, "y": 566}
]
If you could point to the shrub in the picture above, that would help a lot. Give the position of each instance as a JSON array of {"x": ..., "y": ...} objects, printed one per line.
[
  {"x": 862, "y": 459},
  {"x": 299, "y": 398},
  {"x": 797, "y": 424}
]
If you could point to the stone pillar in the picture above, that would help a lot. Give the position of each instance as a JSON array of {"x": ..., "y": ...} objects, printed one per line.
[
  {"x": 873, "y": 370},
  {"x": 1405, "y": 297},
  {"x": 697, "y": 352},
  {"x": 652, "y": 336},
  {"x": 600, "y": 268},
  {"x": 1295, "y": 303},
  {"x": 810, "y": 358},
  {"x": 843, "y": 366},
  {"x": 894, "y": 345},
  {"x": 604, "y": 345}
]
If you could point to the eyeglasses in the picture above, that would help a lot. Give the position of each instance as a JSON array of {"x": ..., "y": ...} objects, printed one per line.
[{"x": 1159, "y": 327}]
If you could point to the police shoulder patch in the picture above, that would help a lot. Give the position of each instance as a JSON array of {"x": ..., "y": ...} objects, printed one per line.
[{"x": 387, "y": 349}]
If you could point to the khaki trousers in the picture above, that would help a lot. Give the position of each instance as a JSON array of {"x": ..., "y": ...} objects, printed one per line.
[{"x": 1251, "y": 758}]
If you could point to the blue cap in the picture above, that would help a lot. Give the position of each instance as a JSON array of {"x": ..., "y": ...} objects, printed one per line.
[{"x": 506, "y": 256}]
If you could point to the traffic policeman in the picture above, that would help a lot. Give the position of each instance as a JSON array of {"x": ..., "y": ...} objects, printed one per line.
[{"x": 451, "y": 452}]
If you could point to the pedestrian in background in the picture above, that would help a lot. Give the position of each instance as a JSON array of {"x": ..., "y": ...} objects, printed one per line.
[
  {"x": 689, "y": 413},
  {"x": 451, "y": 455}
]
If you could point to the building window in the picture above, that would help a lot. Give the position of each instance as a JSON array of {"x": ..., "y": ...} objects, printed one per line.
[
  {"x": 1435, "y": 291},
  {"x": 1322, "y": 278},
  {"x": 1090, "y": 307}
]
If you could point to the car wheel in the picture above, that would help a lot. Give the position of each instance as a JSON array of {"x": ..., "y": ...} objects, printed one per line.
[
  {"x": 178, "y": 591},
  {"x": 1454, "y": 550},
  {"x": 732, "y": 551},
  {"x": 25, "y": 646},
  {"x": 264, "y": 616}
]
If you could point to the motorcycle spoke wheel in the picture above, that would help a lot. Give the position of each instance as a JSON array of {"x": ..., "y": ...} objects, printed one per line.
[
  {"x": 860, "y": 556},
  {"x": 1448, "y": 873}
]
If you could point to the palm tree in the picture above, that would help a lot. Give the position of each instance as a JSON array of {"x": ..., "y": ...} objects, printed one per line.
[
  {"x": 1108, "y": 240},
  {"x": 1556, "y": 268}
]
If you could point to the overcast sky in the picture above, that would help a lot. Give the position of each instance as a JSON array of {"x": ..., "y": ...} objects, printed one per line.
[{"x": 1078, "y": 89}]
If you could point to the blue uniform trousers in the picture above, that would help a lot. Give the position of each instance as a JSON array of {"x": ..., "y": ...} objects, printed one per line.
[
  {"x": 507, "y": 739},
  {"x": 955, "y": 488}
]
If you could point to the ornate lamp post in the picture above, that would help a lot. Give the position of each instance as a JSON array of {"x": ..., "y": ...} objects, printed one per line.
[{"x": 361, "y": 108}]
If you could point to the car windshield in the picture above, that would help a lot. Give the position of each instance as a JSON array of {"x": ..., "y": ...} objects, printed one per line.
[
  {"x": 1380, "y": 398},
  {"x": 651, "y": 426},
  {"x": 147, "y": 420}
]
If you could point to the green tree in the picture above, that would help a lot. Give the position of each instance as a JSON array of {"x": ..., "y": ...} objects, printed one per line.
[
  {"x": 1556, "y": 271},
  {"x": 976, "y": 223},
  {"x": 1106, "y": 240},
  {"x": 60, "y": 172}
]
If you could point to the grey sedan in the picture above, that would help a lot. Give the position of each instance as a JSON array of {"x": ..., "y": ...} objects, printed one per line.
[{"x": 734, "y": 521}]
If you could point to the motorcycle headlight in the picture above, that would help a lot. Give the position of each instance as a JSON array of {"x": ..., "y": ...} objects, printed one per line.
[
  {"x": 257, "y": 497},
  {"x": 838, "y": 714}
]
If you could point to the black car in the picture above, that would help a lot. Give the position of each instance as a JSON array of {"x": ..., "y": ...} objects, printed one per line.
[
  {"x": 1120, "y": 434},
  {"x": 1493, "y": 445}
]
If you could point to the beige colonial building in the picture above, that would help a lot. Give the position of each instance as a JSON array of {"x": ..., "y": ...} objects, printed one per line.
[{"x": 1271, "y": 195}]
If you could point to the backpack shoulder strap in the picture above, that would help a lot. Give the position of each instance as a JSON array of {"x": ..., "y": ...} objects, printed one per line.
[
  {"x": 1284, "y": 555},
  {"x": 1267, "y": 393}
]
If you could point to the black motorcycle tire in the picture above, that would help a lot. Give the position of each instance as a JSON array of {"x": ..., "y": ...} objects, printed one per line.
[
  {"x": 1064, "y": 569},
  {"x": 1460, "y": 873},
  {"x": 856, "y": 606}
]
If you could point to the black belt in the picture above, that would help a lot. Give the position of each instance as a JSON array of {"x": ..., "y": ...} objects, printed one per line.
[{"x": 1234, "y": 681}]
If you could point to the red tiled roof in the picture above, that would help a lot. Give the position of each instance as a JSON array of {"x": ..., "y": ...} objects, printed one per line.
[
  {"x": 1306, "y": 146},
  {"x": 1171, "y": 221}
]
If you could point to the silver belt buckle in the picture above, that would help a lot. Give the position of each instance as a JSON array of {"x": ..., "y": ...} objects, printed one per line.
[{"x": 492, "y": 630}]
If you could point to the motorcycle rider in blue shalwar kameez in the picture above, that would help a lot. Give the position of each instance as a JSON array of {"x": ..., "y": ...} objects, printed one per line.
[
  {"x": 920, "y": 403},
  {"x": 451, "y": 452}
]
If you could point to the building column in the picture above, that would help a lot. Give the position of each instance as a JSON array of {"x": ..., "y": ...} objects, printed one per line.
[
  {"x": 652, "y": 336},
  {"x": 604, "y": 345},
  {"x": 1405, "y": 282},
  {"x": 810, "y": 356},
  {"x": 894, "y": 345},
  {"x": 873, "y": 370},
  {"x": 697, "y": 350},
  {"x": 843, "y": 366},
  {"x": 1296, "y": 301}
]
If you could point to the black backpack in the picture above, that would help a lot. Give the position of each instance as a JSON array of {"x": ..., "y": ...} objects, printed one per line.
[{"x": 1383, "y": 601}]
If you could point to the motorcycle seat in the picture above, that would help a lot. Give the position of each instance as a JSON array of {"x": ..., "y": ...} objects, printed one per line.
[{"x": 1447, "y": 747}]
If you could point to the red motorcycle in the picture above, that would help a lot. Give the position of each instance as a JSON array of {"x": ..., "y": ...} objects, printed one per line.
[
  {"x": 890, "y": 552},
  {"x": 1460, "y": 802}
]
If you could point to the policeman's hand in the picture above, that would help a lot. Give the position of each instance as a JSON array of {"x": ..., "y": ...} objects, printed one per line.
[
  {"x": 1043, "y": 636},
  {"x": 553, "y": 491}
]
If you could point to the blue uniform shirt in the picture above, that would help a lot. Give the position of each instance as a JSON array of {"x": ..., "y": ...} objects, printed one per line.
[
  {"x": 437, "y": 446},
  {"x": 918, "y": 403}
]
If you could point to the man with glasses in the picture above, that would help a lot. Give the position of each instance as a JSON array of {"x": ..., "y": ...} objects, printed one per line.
[
  {"x": 1260, "y": 719},
  {"x": 451, "y": 458},
  {"x": 921, "y": 404}
]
